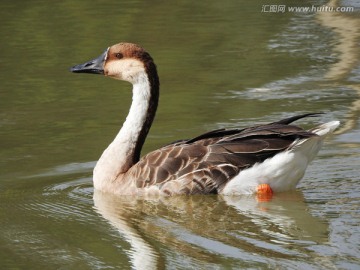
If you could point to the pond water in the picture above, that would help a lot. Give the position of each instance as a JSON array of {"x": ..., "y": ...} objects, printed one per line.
[{"x": 221, "y": 64}]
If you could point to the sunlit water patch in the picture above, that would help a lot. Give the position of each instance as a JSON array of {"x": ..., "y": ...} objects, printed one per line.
[{"x": 301, "y": 31}]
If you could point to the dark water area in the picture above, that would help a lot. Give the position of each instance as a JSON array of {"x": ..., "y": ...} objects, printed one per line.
[{"x": 221, "y": 64}]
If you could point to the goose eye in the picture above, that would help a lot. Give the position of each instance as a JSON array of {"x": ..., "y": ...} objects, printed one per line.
[{"x": 118, "y": 55}]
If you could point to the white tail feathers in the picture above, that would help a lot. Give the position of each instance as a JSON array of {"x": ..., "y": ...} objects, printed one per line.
[
  {"x": 311, "y": 146},
  {"x": 326, "y": 128}
]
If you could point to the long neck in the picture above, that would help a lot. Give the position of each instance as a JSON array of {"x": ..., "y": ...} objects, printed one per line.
[{"x": 125, "y": 149}]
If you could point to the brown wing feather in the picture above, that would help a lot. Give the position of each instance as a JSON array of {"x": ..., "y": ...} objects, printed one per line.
[{"x": 205, "y": 164}]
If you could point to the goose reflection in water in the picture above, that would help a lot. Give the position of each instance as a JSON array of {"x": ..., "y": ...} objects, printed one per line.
[{"x": 197, "y": 227}]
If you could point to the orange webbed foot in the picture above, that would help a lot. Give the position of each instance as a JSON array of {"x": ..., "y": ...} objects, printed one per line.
[{"x": 264, "y": 192}]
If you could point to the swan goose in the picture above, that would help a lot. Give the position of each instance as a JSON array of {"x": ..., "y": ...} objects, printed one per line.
[{"x": 271, "y": 157}]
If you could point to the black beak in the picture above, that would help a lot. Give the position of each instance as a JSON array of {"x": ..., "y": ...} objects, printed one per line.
[{"x": 95, "y": 66}]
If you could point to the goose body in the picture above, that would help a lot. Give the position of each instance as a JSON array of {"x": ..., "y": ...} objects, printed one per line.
[{"x": 224, "y": 161}]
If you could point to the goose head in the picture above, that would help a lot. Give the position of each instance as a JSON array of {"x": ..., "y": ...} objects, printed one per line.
[{"x": 122, "y": 61}]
